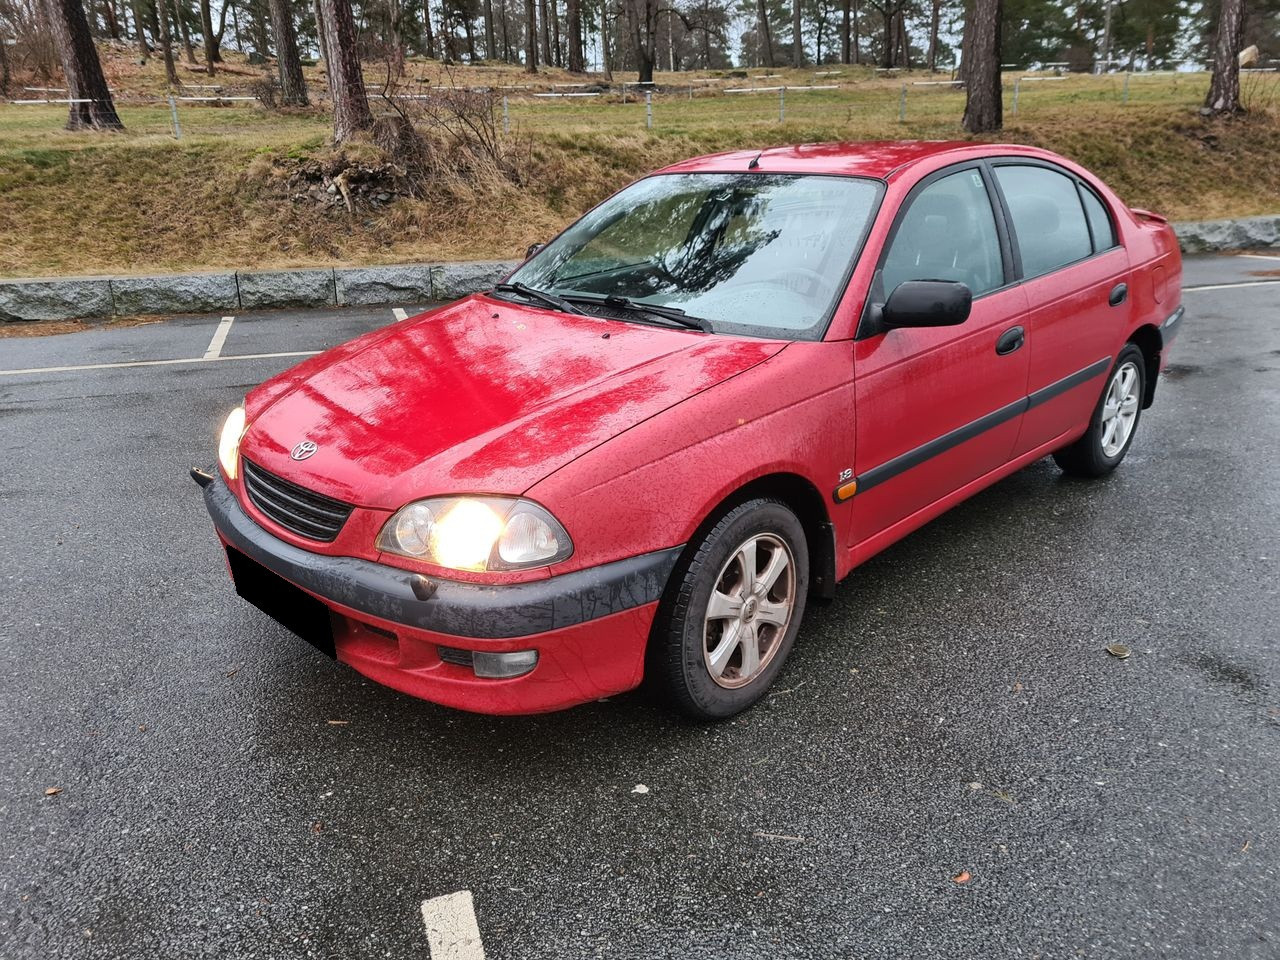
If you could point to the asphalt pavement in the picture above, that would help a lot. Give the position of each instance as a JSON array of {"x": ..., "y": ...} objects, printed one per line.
[{"x": 951, "y": 764}]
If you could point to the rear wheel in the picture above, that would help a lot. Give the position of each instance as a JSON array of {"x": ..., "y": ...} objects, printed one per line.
[
  {"x": 1114, "y": 422},
  {"x": 733, "y": 611}
]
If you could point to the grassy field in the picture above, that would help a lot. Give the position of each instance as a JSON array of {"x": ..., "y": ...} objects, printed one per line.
[{"x": 142, "y": 200}]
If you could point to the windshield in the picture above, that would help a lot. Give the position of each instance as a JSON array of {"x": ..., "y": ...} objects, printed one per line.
[{"x": 760, "y": 254}]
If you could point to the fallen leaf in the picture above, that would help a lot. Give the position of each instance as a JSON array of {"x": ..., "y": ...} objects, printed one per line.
[
  {"x": 962, "y": 877},
  {"x": 337, "y": 723},
  {"x": 52, "y": 791},
  {"x": 639, "y": 788},
  {"x": 777, "y": 836},
  {"x": 1118, "y": 650},
  {"x": 317, "y": 827},
  {"x": 233, "y": 671}
]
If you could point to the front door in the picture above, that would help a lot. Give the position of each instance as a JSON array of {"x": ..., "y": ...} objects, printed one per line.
[{"x": 939, "y": 407}]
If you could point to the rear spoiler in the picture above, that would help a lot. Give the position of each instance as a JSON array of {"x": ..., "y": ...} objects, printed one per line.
[{"x": 1148, "y": 215}]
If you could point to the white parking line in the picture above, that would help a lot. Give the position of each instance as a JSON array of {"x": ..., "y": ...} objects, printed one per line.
[
  {"x": 1260, "y": 256},
  {"x": 156, "y": 363},
  {"x": 1231, "y": 286},
  {"x": 219, "y": 338},
  {"x": 399, "y": 313},
  {"x": 452, "y": 932}
]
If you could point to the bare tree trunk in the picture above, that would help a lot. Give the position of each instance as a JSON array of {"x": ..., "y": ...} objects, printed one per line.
[
  {"x": 1224, "y": 87},
  {"x": 966, "y": 45},
  {"x": 531, "y": 36},
  {"x": 469, "y": 31},
  {"x": 797, "y": 43},
  {"x": 490, "y": 43},
  {"x": 5, "y": 74},
  {"x": 574, "y": 13},
  {"x": 903, "y": 39},
  {"x": 139, "y": 33},
  {"x": 555, "y": 32},
  {"x": 184, "y": 28},
  {"x": 350, "y": 104},
  {"x": 934, "y": 18},
  {"x": 166, "y": 44},
  {"x": 605, "y": 53},
  {"x": 210, "y": 45},
  {"x": 320, "y": 34},
  {"x": 83, "y": 69},
  {"x": 428, "y": 33},
  {"x": 293, "y": 87},
  {"x": 546, "y": 32},
  {"x": 113, "y": 26},
  {"x": 983, "y": 109},
  {"x": 763, "y": 40},
  {"x": 890, "y": 47},
  {"x": 857, "y": 39},
  {"x": 844, "y": 30}
]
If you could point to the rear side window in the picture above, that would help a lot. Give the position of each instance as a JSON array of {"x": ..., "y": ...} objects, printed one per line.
[
  {"x": 947, "y": 233},
  {"x": 1047, "y": 217},
  {"x": 1104, "y": 234}
]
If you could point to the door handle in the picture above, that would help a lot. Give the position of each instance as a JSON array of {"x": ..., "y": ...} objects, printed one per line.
[
  {"x": 1011, "y": 340},
  {"x": 1119, "y": 293}
]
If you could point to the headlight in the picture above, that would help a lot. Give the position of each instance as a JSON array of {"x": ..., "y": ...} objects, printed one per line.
[
  {"x": 229, "y": 442},
  {"x": 476, "y": 533}
]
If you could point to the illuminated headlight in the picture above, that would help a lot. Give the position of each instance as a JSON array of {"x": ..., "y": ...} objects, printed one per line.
[
  {"x": 476, "y": 533},
  {"x": 229, "y": 442}
]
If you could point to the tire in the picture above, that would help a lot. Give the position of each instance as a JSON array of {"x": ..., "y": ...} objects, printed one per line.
[
  {"x": 1100, "y": 450},
  {"x": 702, "y": 657}
]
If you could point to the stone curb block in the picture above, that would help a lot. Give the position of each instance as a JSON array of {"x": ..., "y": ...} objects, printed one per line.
[
  {"x": 370, "y": 286},
  {"x": 175, "y": 293},
  {"x": 449, "y": 281},
  {"x": 53, "y": 299},
  {"x": 1208, "y": 236},
  {"x": 71, "y": 298},
  {"x": 286, "y": 288}
]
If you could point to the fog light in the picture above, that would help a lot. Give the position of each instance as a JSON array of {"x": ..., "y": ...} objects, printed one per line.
[{"x": 497, "y": 665}]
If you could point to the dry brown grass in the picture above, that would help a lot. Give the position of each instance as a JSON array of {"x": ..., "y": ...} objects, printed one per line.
[{"x": 141, "y": 201}]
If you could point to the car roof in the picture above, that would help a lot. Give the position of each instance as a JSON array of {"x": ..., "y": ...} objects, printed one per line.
[{"x": 869, "y": 158}]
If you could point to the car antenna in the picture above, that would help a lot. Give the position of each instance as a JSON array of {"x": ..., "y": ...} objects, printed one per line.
[{"x": 756, "y": 161}]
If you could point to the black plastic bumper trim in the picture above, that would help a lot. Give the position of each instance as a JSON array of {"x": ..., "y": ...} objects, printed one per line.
[{"x": 458, "y": 609}]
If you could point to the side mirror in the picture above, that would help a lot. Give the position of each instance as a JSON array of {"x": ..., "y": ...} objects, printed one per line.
[
  {"x": 533, "y": 248},
  {"x": 927, "y": 303}
]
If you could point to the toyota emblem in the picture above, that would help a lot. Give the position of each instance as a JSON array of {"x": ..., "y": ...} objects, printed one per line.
[{"x": 303, "y": 450}]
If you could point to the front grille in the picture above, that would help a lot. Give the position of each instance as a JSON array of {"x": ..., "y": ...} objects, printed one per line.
[{"x": 295, "y": 508}]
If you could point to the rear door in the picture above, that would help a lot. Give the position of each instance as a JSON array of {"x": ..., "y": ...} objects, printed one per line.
[
  {"x": 939, "y": 407},
  {"x": 1076, "y": 278}
]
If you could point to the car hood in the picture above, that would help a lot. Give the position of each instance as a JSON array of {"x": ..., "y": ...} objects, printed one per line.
[{"x": 482, "y": 396}]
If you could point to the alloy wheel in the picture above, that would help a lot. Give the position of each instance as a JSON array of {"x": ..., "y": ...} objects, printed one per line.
[
  {"x": 749, "y": 610},
  {"x": 1120, "y": 409}
]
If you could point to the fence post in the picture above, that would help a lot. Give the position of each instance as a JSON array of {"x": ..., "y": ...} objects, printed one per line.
[
  {"x": 506, "y": 116},
  {"x": 648, "y": 109},
  {"x": 782, "y": 104},
  {"x": 902, "y": 105},
  {"x": 1017, "y": 88},
  {"x": 1125, "y": 98},
  {"x": 691, "y": 91},
  {"x": 173, "y": 109}
]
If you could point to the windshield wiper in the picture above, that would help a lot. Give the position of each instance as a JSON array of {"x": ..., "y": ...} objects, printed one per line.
[
  {"x": 547, "y": 299},
  {"x": 674, "y": 314}
]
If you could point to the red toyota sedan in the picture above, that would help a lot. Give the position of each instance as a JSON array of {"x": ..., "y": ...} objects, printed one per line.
[{"x": 699, "y": 407}]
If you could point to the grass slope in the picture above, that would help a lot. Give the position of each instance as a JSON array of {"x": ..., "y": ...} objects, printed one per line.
[{"x": 143, "y": 201}]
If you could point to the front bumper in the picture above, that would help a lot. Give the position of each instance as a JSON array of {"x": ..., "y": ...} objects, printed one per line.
[{"x": 589, "y": 627}]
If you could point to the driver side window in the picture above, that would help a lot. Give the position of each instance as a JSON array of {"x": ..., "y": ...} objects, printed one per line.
[{"x": 947, "y": 233}]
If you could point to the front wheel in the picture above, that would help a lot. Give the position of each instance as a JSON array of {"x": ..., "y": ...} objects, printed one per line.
[
  {"x": 1114, "y": 421},
  {"x": 732, "y": 611}
]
